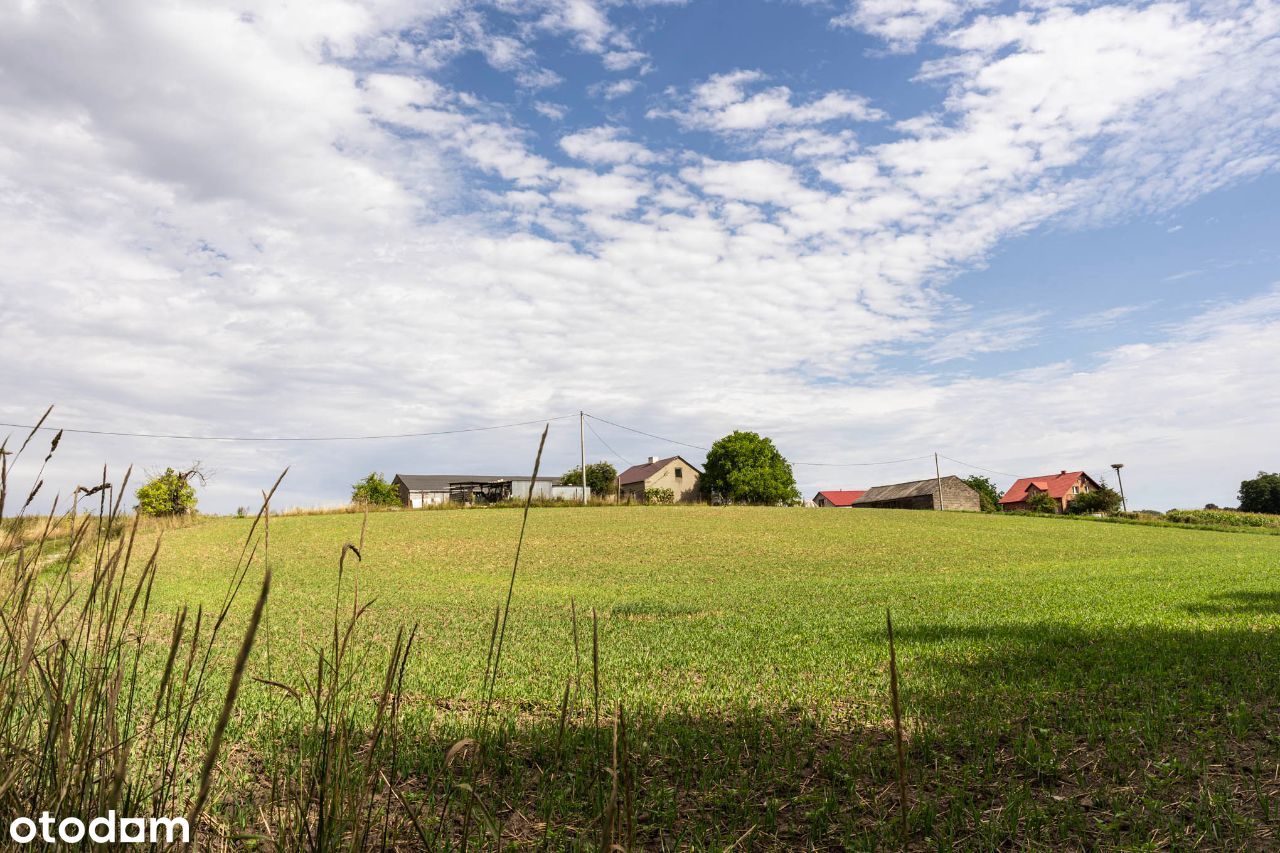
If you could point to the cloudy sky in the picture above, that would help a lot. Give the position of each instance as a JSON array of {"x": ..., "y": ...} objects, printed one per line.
[{"x": 1027, "y": 236}]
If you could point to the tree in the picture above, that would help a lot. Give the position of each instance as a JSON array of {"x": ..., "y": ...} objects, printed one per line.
[
  {"x": 1042, "y": 502},
  {"x": 744, "y": 467},
  {"x": 988, "y": 494},
  {"x": 374, "y": 490},
  {"x": 170, "y": 493},
  {"x": 600, "y": 477},
  {"x": 1261, "y": 494},
  {"x": 1102, "y": 500}
]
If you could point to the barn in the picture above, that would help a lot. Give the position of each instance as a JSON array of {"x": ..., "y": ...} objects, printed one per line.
[
  {"x": 922, "y": 494},
  {"x": 419, "y": 490},
  {"x": 829, "y": 498}
]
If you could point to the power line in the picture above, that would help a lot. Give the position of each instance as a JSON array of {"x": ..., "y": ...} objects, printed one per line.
[
  {"x": 978, "y": 467},
  {"x": 251, "y": 438},
  {"x": 608, "y": 447},
  {"x": 649, "y": 434}
]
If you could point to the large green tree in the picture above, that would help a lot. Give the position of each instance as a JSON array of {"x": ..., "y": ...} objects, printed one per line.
[
  {"x": 745, "y": 467},
  {"x": 1261, "y": 494},
  {"x": 374, "y": 490},
  {"x": 600, "y": 477},
  {"x": 988, "y": 494},
  {"x": 1104, "y": 499}
]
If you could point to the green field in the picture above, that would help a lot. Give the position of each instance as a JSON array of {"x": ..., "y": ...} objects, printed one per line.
[{"x": 1063, "y": 683}]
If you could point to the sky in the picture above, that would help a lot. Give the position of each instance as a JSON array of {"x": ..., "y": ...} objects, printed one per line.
[{"x": 1026, "y": 236}]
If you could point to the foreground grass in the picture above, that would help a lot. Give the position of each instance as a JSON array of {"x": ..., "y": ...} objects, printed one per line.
[{"x": 1077, "y": 684}]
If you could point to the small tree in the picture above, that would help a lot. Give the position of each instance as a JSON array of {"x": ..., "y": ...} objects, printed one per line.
[
  {"x": 171, "y": 493},
  {"x": 1042, "y": 502},
  {"x": 600, "y": 477},
  {"x": 374, "y": 490},
  {"x": 1261, "y": 494},
  {"x": 744, "y": 467},
  {"x": 988, "y": 494},
  {"x": 1103, "y": 500}
]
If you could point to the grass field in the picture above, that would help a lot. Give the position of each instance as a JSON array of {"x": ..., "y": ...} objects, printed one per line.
[{"x": 1065, "y": 684}]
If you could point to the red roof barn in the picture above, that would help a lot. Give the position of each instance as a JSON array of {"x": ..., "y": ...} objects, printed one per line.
[
  {"x": 1062, "y": 487},
  {"x": 835, "y": 497}
]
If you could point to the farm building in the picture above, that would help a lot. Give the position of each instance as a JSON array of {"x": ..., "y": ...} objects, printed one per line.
[
  {"x": 1062, "y": 487},
  {"x": 922, "y": 494},
  {"x": 419, "y": 490},
  {"x": 673, "y": 473},
  {"x": 837, "y": 497}
]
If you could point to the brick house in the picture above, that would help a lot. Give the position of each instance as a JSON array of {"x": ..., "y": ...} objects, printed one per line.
[
  {"x": 1062, "y": 487},
  {"x": 673, "y": 473}
]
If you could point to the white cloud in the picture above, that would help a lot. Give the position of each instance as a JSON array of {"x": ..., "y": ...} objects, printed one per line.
[
  {"x": 254, "y": 233},
  {"x": 903, "y": 23},
  {"x": 722, "y": 104},
  {"x": 605, "y": 145},
  {"x": 614, "y": 90}
]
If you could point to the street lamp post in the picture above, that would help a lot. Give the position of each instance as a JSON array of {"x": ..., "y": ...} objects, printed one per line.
[{"x": 1120, "y": 481}]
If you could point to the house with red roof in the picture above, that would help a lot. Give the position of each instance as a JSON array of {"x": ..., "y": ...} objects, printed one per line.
[
  {"x": 1062, "y": 487},
  {"x": 837, "y": 497}
]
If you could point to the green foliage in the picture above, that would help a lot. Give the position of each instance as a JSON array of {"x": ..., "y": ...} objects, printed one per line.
[
  {"x": 374, "y": 490},
  {"x": 660, "y": 496},
  {"x": 1103, "y": 500},
  {"x": 988, "y": 494},
  {"x": 1261, "y": 494},
  {"x": 171, "y": 493},
  {"x": 1041, "y": 502},
  {"x": 745, "y": 468},
  {"x": 1222, "y": 517},
  {"x": 600, "y": 478}
]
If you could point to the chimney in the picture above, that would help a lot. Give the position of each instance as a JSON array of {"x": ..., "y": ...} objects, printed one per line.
[
  {"x": 653, "y": 459},
  {"x": 1062, "y": 471}
]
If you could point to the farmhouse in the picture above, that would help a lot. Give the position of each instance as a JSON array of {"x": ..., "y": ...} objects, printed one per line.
[
  {"x": 673, "y": 473},
  {"x": 837, "y": 497},
  {"x": 922, "y": 494},
  {"x": 419, "y": 490},
  {"x": 1062, "y": 487}
]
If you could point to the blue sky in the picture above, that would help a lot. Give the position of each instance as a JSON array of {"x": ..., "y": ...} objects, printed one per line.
[{"x": 1028, "y": 236}]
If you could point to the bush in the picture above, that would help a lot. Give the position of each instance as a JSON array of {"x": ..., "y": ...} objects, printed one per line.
[
  {"x": 988, "y": 494},
  {"x": 1223, "y": 517},
  {"x": 1261, "y": 494},
  {"x": 171, "y": 493},
  {"x": 1041, "y": 502},
  {"x": 744, "y": 467},
  {"x": 1104, "y": 500},
  {"x": 660, "y": 496},
  {"x": 374, "y": 490}
]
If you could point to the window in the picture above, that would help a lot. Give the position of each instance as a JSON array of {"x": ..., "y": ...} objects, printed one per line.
[
  {"x": 1075, "y": 490},
  {"x": 679, "y": 473}
]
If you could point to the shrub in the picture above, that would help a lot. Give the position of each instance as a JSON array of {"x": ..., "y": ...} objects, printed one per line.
[
  {"x": 1226, "y": 518},
  {"x": 374, "y": 490},
  {"x": 1261, "y": 494},
  {"x": 171, "y": 493},
  {"x": 1041, "y": 502},
  {"x": 660, "y": 496},
  {"x": 1103, "y": 500},
  {"x": 988, "y": 494},
  {"x": 745, "y": 467}
]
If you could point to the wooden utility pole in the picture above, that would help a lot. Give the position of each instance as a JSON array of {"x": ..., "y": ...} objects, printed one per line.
[
  {"x": 582, "y": 453},
  {"x": 937, "y": 473}
]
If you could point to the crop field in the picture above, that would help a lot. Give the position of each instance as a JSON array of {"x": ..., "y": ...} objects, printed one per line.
[{"x": 1062, "y": 683}]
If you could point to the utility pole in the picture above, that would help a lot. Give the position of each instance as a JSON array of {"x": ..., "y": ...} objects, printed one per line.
[
  {"x": 1120, "y": 480},
  {"x": 937, "y": 473},
  {"x": 582, "y": 453}
]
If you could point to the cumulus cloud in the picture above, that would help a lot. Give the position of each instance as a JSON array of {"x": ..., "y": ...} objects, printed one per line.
[{"x": 280, "y": 218}]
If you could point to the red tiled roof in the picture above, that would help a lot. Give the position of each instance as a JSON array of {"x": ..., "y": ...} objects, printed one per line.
[
  {"x": 640, "y": 473},
  {"x": 842, "y": 498},
  {"x": 1057, "y": 485}
]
